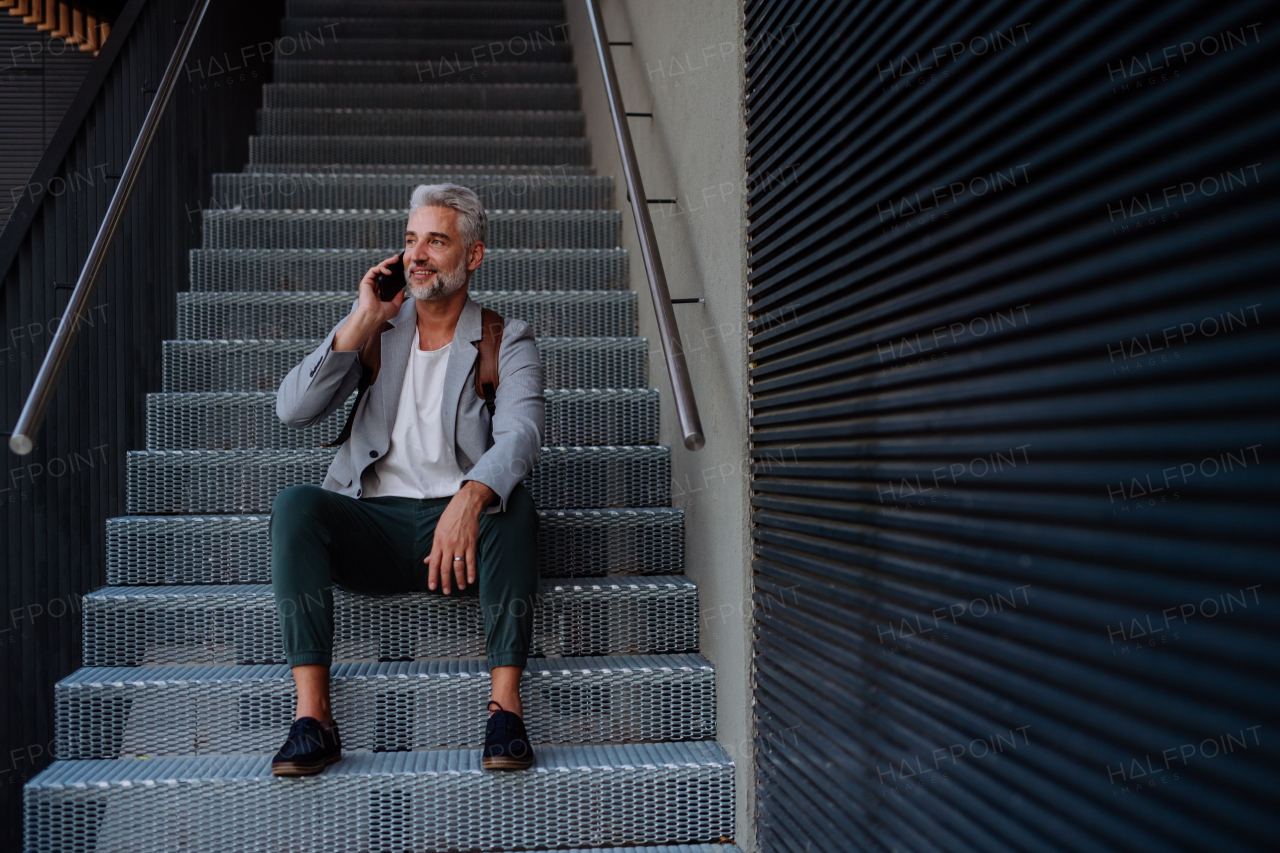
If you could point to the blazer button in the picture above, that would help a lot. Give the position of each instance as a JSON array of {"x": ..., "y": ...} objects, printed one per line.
[{"x": 373, "y": 453}]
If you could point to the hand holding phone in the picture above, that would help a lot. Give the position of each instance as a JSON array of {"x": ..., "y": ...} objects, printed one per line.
[
  {"x": 382, "y": 292},
  {"x": 390, "y": 284}
]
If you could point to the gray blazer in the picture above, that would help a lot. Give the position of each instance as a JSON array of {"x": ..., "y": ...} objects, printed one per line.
[{"x": 500, "y": 458}]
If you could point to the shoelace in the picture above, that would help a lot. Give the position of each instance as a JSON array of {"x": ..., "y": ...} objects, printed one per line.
[
  {"x": 499, "y": 721},
  {"x": 301, "y": 739},
  {"x": 503, "y": 726}
]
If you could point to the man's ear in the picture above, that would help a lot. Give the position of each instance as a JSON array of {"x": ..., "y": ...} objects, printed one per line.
[{"x": 474, "y": 256}]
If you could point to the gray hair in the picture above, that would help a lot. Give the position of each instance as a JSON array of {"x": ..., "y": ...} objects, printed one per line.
[{"x": 473, "y": 222}]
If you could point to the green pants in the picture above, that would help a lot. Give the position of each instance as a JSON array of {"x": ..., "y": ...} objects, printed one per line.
[{"x": 377, "y": 546}]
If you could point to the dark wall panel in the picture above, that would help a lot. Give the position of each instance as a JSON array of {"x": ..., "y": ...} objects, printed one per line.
[
  {"x": 1014, "y": 281},
  {"x": 39, "y": 76},
  {"x": 56, "y": 500}
]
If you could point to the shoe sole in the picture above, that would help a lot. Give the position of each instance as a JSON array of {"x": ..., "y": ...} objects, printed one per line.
[
  {"x": 293, "y": 768},
  {"x": 506, "y": 763}
]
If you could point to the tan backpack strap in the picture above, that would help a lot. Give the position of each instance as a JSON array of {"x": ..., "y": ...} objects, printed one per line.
[{"x": 491, "y": 324}]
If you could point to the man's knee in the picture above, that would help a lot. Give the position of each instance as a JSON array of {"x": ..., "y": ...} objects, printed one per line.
[
  {"x": 297, "y": 513},
  {"x": 297, "y": 502}
]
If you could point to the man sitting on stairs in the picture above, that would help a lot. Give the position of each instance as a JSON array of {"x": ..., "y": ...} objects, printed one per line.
[{"x": 425, "y": 492}]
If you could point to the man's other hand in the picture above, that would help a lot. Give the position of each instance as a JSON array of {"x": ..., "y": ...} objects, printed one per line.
[{"x": 456, "y": 534}]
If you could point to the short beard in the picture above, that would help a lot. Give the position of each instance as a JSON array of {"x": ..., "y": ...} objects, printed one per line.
[{"x": 445, "y": 284}]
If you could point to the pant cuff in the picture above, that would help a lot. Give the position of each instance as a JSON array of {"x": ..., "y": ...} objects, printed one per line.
[
  {"x": 507, "y": 658},
  {"x": 309, "y": 658}
]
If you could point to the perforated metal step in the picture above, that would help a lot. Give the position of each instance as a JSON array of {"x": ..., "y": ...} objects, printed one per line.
[
  {"x": 459, "y": 66},
  {"x": 261, "y": 191},
  {"x": 236, "y": 549},
  {"x": 240, "y": 481},
  {"x": 416, "y": 169},
  {"x": 521, "y": 35},
  {"x": 573, "y": 796},
  {"x": 666, "y": 848},
  {"x": 376, "y": 229},
  {"x": 422, "y": 96},
  {"x": 153, "y": 712},
  {"x": 443, "y": 9},
  {"x": 412, "y": 122},
  {"x": 426, "y": 149},
  {"x": 259, "y": 365},
  {"x": 573, "y": 313},
  {"x": 247, "y": 420},
  {"x": 238, "y": 624},
  {"x": 459, "y": 52},
  {"x": 293, "y": 270}
]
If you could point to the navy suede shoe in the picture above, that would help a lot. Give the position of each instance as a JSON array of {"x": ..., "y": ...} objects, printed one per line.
[
  {"x": 309, "y": 749},
  {"x": 506, "y": 743}
]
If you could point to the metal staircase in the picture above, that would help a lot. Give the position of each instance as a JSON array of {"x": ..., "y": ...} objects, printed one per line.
[{"x": 165, "y": 735}]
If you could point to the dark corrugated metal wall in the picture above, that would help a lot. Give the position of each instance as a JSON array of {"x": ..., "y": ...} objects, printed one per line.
[
  {"x": 1014, "y": 355},
  {"x": 38, "y": 78},
  {"x": 56, "y": 501}
]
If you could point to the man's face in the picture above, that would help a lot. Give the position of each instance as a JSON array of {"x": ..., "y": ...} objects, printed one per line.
[{"x": 436, "y": 261}]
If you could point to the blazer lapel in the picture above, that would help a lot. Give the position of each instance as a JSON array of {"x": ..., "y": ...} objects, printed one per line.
[
  {"x": 396, "y": 342},
  {"x": 462, "y": 355}
]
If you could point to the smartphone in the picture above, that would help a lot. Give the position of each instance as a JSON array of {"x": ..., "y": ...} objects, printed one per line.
[{"x": 390, "y": 285}]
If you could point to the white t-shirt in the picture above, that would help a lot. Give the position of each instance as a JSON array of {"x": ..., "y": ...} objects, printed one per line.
[{"x": 420, "y": 462}]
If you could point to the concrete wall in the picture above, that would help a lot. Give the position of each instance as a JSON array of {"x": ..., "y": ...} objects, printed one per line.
[{"x": 686, "y": 67}]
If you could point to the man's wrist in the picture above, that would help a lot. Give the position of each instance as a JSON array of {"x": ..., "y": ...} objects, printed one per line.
[
  {"x": 477, "y": 494},
  {"x": 352, "y": 334}
]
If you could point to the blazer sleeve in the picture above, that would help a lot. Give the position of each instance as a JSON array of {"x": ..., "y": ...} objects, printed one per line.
[
  {"x": 519, "y": 411},
  {"x": 320, "y": 383}
]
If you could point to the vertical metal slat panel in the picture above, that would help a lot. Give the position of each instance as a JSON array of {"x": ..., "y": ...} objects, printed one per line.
[
  {"x": 39, "y": 76},
  {"x": 1014, "y": 387}
]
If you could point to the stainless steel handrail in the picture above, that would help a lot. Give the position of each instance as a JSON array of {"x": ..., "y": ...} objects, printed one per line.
[
  {"x": 672, "y": 348},
  {"x": 23, "y": 439}
]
